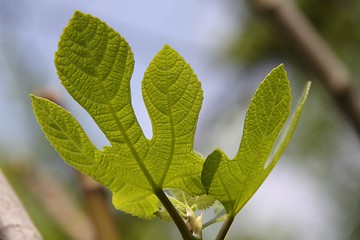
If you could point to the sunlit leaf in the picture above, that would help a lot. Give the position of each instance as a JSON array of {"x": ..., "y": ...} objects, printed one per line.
[
  {"x": 95, "y": 65},
  {"x": 234, "y": 182}
]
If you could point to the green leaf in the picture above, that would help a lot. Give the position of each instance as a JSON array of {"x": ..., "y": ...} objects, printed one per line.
[
  {"x": 95, "y": 65},
  {"x": 200, "y": 202},
  {"x": 233, "y": 182},
  {"x": 181, "y": 201},
  {"x": 70, "y": 141}
]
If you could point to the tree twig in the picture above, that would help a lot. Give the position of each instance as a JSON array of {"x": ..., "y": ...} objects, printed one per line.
[
  {"x": 299, "y": 32},
  {"x": 179, "y": 222},
  {"x": 225, "y": 227},
  {"x": 14, "y": 221}
]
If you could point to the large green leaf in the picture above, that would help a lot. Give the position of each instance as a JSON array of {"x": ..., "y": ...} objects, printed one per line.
[
  {"x": 233, "y": 182},
  {"x": 95, "y": 65}
]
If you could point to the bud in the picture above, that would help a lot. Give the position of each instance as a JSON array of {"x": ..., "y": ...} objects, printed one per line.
[
  {"x": 197, "y": 232},
  {"x": 194, "y": 223},
  {"x": 190, "y": 218}
]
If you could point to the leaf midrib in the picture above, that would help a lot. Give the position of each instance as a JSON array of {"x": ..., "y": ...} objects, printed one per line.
[
  {"x": 172, "y": 132},
  {"x": 172, "y": 146},
  {"x": 67, "y": 135},
  {"x": 127, "y": 140}
]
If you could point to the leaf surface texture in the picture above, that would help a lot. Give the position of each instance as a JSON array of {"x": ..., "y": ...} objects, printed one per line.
[
  {"x": 95, "y": 65},
  {"x": 234, "y": 182}
]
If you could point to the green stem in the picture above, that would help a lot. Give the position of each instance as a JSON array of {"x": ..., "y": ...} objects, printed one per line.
[
  {"x": 183, "y": 229},
  {"x": 225, "y": 227}
]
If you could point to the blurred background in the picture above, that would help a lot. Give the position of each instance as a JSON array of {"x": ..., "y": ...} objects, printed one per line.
[{"x": 313, "y": 193}]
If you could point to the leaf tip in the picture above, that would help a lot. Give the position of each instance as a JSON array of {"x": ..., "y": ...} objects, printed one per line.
[
  {"x": 32, "y": 96},
  {"x": 281, "y": 66},
  {"x": 167, "y": 46},
  {"x": 279, "y": 69},
  {"x": 34, "y": 99},
  {"x": 78, "y": 14},
  {"x": 167, "y": 49}
]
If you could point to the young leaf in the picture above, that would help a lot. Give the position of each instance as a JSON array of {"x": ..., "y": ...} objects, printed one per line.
[
  {"x": 233, "y": 182},
  {"x": 201, "y": 202},
  {"x": 181, "y": 201},
  {"x": 95, "y": 65}
]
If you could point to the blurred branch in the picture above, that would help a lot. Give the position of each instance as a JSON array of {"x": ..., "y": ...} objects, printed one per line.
[
  {"x": 317, "y": 54},
  {"x": 55, "y": 199},
  {"x": 98, "y": 208},
  {"x": 14, "y": 221}
]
